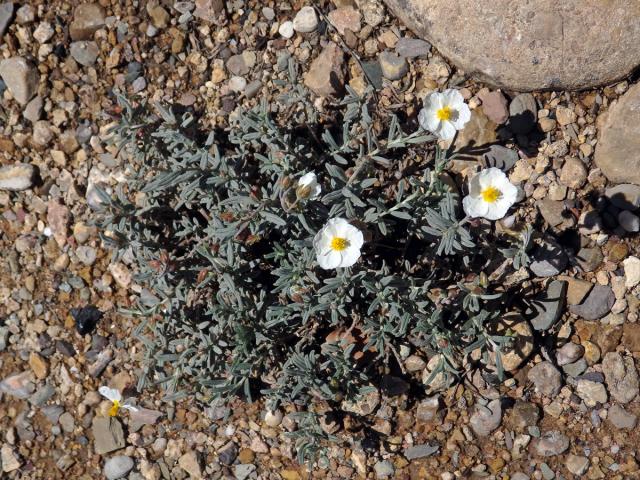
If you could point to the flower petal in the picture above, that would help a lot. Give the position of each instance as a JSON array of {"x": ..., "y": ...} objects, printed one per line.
[
  {"x": 447, "y": 131},
  {"x": 330, "y": 260},
  {"x": 350, "y": 256},
  {"x": 474, "y": 207},
  {"x": 110, "y": 393},
  {"x": 497, "y": 210}
]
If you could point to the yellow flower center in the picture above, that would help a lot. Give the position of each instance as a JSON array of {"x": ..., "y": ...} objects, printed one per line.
[
  {"x": 339, "y": 243},
  {"x": 490, "y": 194},
  {"x": 444, "y": 114},
  {"x": 113, "y": 411}
]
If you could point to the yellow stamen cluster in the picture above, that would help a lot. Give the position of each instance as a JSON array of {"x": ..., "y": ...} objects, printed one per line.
[
  {"x": 444, "y": 114},
  {"x": 339, "y": 244},
  {"x": 490, "y": 194},
  {"x": 113, "y": 411}
]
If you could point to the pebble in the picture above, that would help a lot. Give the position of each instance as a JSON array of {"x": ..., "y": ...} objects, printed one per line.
[
  {"x": 621, "y": 376},
  {"x": 597, "y": 304},
  {"x": 237, "y": 84},
  {"x": 589, "y": 258},
  {"x": 546, "y": 378},
  {"x": 550, "y": 443},
  {"x": 622, "y": 419},
  {"x": 412, "y": 47},
  {"x": 6, "y": 14},
  {"x": 576, "y": 368},
  {"x": 117, "y": 467},
  {"x": 86, "y": 254},
  {"x": 485, "y": 420},
  {"x": 21, "y": 78},
  {"x": 384, "y": 469},
  {"x": 243, "y": 471},
  {"x": 565, "y": 116},
  {"x": 569, "y": 353},
  {"x": 228, "y": 453},
  {"x": 25, "y": 14},
  {"x": 108, "y": 435},
  {"x": 18, "y": 385},
  {"x": 625, "y": 196},
  {"x": 42, "y": 133},
  {"x": 43, "y": 32},
  {"x": 420, "y": 451},
  {"x": 189, "y": 463},
  {"x": 273, "y": 418},
  {"x": 573, "y": 173},
  {"x": 88, "y": 18},
  {"x": 33, "y": 110},
  {"x": 9, "y": 460},
  {"x": 393, "y": 66},
  {"x": 326, "y": 76},
  {"x": 286, "y": 29},
  {"x": 523, "y": 112},
  {"x": 345, "y": 18},
  {"x": 16, "y": 177},
  {"x": 631, "y": 272},
  {"x": 84, "y": 52},
  {"x": 547, "y": 308},
  {"x": 629, "y": 221},
  {"x": 305, "y": 21},
  {"x": 495, "y": 106},
  {"x": 577, "y": 464},
  {"x": 591, "y": 392},
  {"x": 549, "y": 259}
]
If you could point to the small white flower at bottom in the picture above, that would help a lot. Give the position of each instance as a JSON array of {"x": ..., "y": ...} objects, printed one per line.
[
  {"x": 115, "y": 397},
  {"x": 491, "y": 194},
  {"x": 338, "y": 244}
]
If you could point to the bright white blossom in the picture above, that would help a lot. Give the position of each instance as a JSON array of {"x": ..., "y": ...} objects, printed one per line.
[
  {"x": 308, "y": 187},
  {"x": 444, "y": 113},
  {"x": 338, "y": 244},
  {"x": 491, "y": 194},
  {"x": 115, "y": 397}
]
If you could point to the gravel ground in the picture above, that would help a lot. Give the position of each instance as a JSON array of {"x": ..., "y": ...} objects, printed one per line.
[{"x": 569, "y": 411}]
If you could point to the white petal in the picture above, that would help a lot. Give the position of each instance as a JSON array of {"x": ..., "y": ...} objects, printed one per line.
[
  {"x": 463, "y": 116},
  {"x": 428, "y": 120},
  {"x": 474, "y": 207},
  {"x": 126, "y": 406},
  {"x": 316, "y": 192},
  {"x": 447, "y": 131},
  {"x": 475, "y": 190},
  {"x": 497, "y": 210},
  {"x": 453, "y": 98},
  {"x": 510, "y": 193},
  {"x": 350, "y": 256},
  {"x": 492, "y": 177},
  {"x": 110, "y": 393},
  {"x": 329, "y": 260},
  {"x": 307, "y": 180}
]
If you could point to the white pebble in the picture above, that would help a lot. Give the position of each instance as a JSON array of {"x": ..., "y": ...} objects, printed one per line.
[
  {"x": 306, "y": 20},
  {"x": 286, "y": 29}
]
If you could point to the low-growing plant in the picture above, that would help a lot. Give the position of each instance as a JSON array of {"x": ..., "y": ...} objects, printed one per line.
[{"x": 224, "y": 229}]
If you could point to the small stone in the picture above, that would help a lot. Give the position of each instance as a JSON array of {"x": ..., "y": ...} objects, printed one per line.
[
  {"x": 144, "y": 416},
  {"x": 550, "y": 443},
  {"x": 547, "y": 308},
  {"x": 243, "y": 471},
  {"x": 549, "y": 259},
  {"x": 621, "y": 377},
  {"x": 565, "y": 116},
  {"x": 21, "y": 77},
  {"x": 228, "y": 453},
  {"x": 622, "y": 419},
  {"x": 576, "y": 464},
  {"x": 521, "y": 346},
  {"x": 625, "y": 196},
  {"x": 500, "y": 157},
  {"x": 365, "y": 405},
  {"x": 58, "y": 218},
  {"x": 117, "y": 467},
  {"x": 577, "y": 289},
  {"x": 16, "y": 177},
  {"x": 554, "y": 212},
  {"x": 107, "y": 434},
  {"x": 523, "y": 112},
  {"x": 589, "y": 258},
  {"x": 569, "y": 353},
  {"x": 86, "y": 254},
  {"x": 286, "y": 29},
  {"x": 597, "y": 304},
  {"x": 273, "y": 418},
  {"x": 631, "y": 272},
  {"x": 345, "y": 18},
  {"x": 18, "y": 385},
  {"x": 420, "y": 451},
  {"x": 576, "y": 368},
  {"x": 159, "y": 16},
  {"x": 209, "y": 10},
  {"x": 384, "y": 469},
  {"x": 573, "y": 173},
  {"x": 67, "y": 422},
  {"x": 84, "y": 52},
  {"x": 25, "y": 14},
  {"x": 189, "y": 463},
  {"x": 393, "y": 66},
  {"x": 33, "y": 110},
  {"x": 237, "y": 84},
  {"x": 485, "y": 420},
  {"x": 546, "y": 378},
  {"x": 6, "y": 14},
  {"x": 591, "y": 352},
  {"x": 591, "y": 392},
  {"x": 326, "y": 75},
  {"x": 88, "y": 18},
  {"x": 237, "y": 66},
  {"x": 103, "y": 359},
  {"x": 43, "y": 32},
  {"x": 590, "y": 222},
  {"x": 42, "y": 133},
  {"x": 547, "y": 124},
  {"x": 629, "y": 221},
  {"x": 306, "y": 20},
  {"x": 38, "y": 365},
  {"x": 495, "y": 106},
  {"x": 9, "y": 460},
  {"x": 428, "y": 409},
  {"x": 412, "y": 47}
]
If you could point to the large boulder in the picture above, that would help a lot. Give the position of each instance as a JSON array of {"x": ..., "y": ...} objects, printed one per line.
[
  {"x": 532, "y": 45},
  {"x": 618, "y": 150}
]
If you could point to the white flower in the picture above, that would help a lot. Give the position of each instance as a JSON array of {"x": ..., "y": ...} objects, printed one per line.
[
  {"x": 308, "y": 187},
  {"x": 115, "y": 397},
  {"x": 490, "y": 194},
  {"x": 338, "y": 244},
  {"x": 444, "y": 113}
]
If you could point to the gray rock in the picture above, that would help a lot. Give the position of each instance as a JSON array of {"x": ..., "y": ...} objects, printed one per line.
[
  {"x": 590, "y": 222},
  {"x": 243, "y": 471},
  {"x": 429, "y": 409},
  {"x": 88, "y": 18},
  {"x": 621, "y": 377},
  {"x": 500, "y": 157},
  {"x": 589, "y": 258},
  {"x": 523, "y": 114},
  {"x": 67, "y": 422},
  {"x": 520, "y": 476},
  {"x": 420, "y": 451},
  {"x": 569, "y": 353},
  {"x": 18, "y": 385},
  {"x": 16, "y": 177},
  {"x": 524, "y": 46},
  {"x": 554, "y": 212},
  {"x": 33, "y": 110},
  {"x": 107, "y": 434},
  {"x": 576, "y": 368},
  {"x": 622, "y": 419},
  {"x": 42, "y": 395},
  {"x": 485, "y": 420},
  {"x": 117, "y": 467},
  {"x": 53, "y": 412},
  {"x": 412, "y": 47},
  {"x": 384, "y": 469},
  {"x": 228, "y": 453},
  {"x": 103, "y": 359},
  {"x": 523, "y": 415},
  {"x": 576, "y": 464},
  {"x": 597, "y": 304},
  {"x": 625, "y": 196},
  {"x": 237, "y": 66},
  {"x": 6, "y": 15},
  {"x": 550, "y": 443},
  {"x": 365, "y": 405},
  {"x": 547, "y": 308},
  {"x": 393, "y": 66},
  {"x": 591, "y": 392},
  {"x": 21, "y": 78},
  {"x": 618, "y": 150},
  {"x": 9, "y": 459},
  {"x": 549, "y": 259},
  {"x": 546, "y": 378},
  {"x": 85, "y": 52},
  {"x": 629, "y": 221}
]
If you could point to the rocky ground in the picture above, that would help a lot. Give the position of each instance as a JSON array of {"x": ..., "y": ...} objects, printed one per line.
[{"x": 569, "y": 411}]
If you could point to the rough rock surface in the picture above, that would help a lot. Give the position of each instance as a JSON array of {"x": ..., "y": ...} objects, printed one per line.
[
  {"x": 534, "y": 45},
  {"x": 618, "y": 150}
]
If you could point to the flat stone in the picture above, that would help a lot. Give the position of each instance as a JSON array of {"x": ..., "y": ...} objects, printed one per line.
[
  {"x": 486, "y": 419},
  {"x": 621, "y": 377},
  {"x": 629, "y": 221},
  {"x": 577, "y": 464},
  {"x": 117, "y": 467},
  {"x": 243, "y": 471},
  {"x": 597, "y": 304},
  {"x": 88, "y": 18},
  {"x": 393, "y": 66},
  {"x": 420, "y": 451},
  {"x": 384, "y": 469},
  {"x": 573, "y": 173},
  {"x": 18, "y": 385},
  {"x": 622, "y": 419},
  {"x": 108, "y": 435},
  {"x": 209, "y": 10},
  {"x": 479, "y": 131},
  {"x": 546, "y": 308},
  {"x": 228, "y": 453},
  {"x": 523, "y": 113},
  {"x": 500, "y": 157},
  {"x": 570, "y": 352},
  {"x": 9, "y": 459},
  {"x": 21, "y": 78},
  {"x": 495, "y": 106},
  {"x": 618, "y": 149},
  {"x": 58, "y": 219},
  {"x": 428, "y": 409},
  {"x": 591, "y": 392},
  {"x": 625, "y": 196},
  {"x": 326, "y": 74},
  {"x": 85, "y": 52},
  {"x": 631, "y": 272},
  {"x": 589, "y": 258},
  {"x": 523, "y": 415},
  {"x": 6, "y": 15},
  {"x": 190, "y": 463},
  {"x": 535, "y": 45},
  {"x": 363, "y": 406},
  {"x": 412, "y": 47},
  {"x": 550, "y": 443},
  {"x": 306, "y": 20},
  {"x": 549, "y": 259},
  {"x": 546, "y": 378},
  {"x": 576, "y": 368},
  {"x": 577, "y": 289},
  {"x": 345, "y": 18},
  {"x": 17, "y": 177}
]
